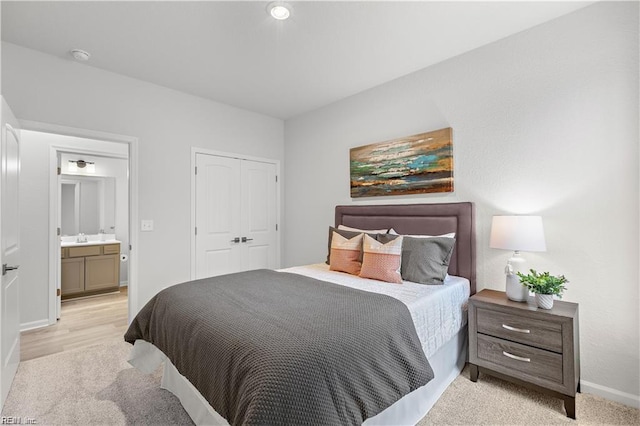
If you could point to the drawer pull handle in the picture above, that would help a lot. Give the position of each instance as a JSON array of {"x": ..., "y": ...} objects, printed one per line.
[
  {"x": 516, "y": 357},
  {"x": 519, "y": 330}
]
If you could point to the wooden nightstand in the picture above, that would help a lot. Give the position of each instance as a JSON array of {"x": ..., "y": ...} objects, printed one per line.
[{"x": 521, "y": 343}]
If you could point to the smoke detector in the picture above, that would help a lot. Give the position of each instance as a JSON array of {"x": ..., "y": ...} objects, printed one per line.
[{"x": 80, "y": 55}]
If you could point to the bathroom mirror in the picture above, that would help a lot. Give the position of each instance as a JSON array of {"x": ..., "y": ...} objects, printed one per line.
[{"x": 87, "y": 204}]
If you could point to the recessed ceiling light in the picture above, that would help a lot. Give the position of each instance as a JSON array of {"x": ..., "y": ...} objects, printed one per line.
[
  {"x": 80, "y": 55},
  {"x": 279, "y": 10}
]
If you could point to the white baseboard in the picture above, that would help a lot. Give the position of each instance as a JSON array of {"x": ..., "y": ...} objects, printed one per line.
[
  {"x": 34, "y": 324},
  {"x": 124, "y": 283},
  {"x": 610, "y": 394}
]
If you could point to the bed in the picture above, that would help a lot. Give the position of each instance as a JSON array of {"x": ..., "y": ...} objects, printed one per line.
[{"x": 437, "y": 313}]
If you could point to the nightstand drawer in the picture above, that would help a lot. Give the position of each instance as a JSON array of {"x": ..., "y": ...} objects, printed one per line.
[
  {"x": 520, "y": 359},
  {"x": 541, "y": 334}
]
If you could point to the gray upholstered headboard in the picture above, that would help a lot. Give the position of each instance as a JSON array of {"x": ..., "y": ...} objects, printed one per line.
[{"x": 423, "y": 219}]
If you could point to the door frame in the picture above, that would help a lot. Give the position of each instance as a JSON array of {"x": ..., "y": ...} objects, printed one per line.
[
  {"x": 192, "y": 233},
  {"x": 54, "y": 241}
]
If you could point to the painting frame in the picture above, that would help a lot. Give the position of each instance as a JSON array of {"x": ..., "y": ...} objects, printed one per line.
[{"x": 417, "y": 164}]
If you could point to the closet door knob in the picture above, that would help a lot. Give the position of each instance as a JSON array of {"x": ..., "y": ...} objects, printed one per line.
[
  {"x": 235, "y": 240},
  {"x": 245, "y": 239}
]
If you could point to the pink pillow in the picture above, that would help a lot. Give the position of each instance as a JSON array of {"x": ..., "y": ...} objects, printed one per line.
[
  {"x": 382, "y": 261},
  {"x": 345, "y": 254}
]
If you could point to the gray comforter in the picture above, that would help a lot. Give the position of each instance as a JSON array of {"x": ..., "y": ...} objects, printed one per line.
[{"x": 273, "y": 348}]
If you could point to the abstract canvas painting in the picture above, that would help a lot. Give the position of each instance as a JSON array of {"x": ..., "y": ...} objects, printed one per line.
[{"x": 415, "y": 164}]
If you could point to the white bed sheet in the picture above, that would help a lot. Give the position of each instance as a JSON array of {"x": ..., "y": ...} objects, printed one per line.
[{"x": 438, "y": 311}]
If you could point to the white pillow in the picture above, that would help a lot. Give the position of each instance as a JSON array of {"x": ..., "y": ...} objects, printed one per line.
[
  {"x": 369, "y": 231},
  {"x": 449, "y": 235}
]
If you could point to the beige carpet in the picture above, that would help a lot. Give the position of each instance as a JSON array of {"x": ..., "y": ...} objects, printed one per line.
[
  {"x": 492, "y": 401},
  {"x": 88, "y": 386},
  {"x": 97, "y": 386}
]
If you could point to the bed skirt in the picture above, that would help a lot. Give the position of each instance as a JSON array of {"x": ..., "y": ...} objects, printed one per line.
[{"x": 447, "y": 363}]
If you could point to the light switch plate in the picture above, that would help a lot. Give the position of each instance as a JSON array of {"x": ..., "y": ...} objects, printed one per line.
[{"x": 146, "y": 225}]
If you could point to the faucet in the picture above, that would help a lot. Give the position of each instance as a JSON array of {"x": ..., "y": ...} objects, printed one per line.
[{"x": 81, "y": 238}]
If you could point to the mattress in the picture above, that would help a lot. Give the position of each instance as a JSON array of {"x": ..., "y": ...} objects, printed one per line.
[{"x": 438, "y": 311}]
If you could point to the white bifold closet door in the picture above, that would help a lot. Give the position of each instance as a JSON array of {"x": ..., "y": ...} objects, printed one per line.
[{"x": 236, "y": 215}]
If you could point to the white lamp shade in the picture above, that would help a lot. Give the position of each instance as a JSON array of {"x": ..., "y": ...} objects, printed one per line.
[{"x": 517, "y": 233}]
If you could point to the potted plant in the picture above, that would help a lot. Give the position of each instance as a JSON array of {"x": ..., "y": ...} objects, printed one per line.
[{"x": 544, "y": 285}]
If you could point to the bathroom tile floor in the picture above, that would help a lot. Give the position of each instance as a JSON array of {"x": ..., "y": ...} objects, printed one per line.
[{"x": 83, "y": 322}]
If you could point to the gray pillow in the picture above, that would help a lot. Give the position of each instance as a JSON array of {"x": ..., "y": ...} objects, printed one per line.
[
  {"x": 424, "y": 260},
  {"x": 346, "y": 234}
]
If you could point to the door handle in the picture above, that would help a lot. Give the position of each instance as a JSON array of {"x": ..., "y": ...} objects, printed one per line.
[
  {"x": 6, "y": 268},
  {"x": 245, "y": 239},
  {"x": 235, "y": 240}
]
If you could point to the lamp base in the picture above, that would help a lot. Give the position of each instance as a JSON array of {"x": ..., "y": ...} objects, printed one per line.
[{"x": 515, "y": 290}]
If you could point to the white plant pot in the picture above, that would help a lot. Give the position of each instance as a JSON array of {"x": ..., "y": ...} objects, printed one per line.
[{"x": 544, "y": 301}]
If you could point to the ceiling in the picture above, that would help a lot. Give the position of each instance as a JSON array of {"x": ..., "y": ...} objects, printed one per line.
[{"x": 234, "y": 52}]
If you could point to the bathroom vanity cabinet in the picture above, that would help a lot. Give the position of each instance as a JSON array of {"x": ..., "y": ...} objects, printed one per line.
[{"x": 90, "y": 269}]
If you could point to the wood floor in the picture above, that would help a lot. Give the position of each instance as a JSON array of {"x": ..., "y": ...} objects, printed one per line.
[{"x": 83, "y": 322}]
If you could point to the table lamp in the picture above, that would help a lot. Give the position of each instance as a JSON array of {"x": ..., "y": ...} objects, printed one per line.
[{"x": 517, "y": 233}]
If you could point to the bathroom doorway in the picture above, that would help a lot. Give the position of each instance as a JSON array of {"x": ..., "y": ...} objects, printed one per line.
[
  {"x": 91, "y": 178},
  {"x": 94, "y": 225},
  {"x": 50, "y": 154}
]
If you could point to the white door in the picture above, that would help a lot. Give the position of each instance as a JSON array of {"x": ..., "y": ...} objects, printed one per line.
[
  {"x": 217, "y": 215},
  {"x": 9, "y": 252},
  {"x": 258, "y": 237},
  {"x": 236, "y": 215},
  {"x": 57, "y": 254}
]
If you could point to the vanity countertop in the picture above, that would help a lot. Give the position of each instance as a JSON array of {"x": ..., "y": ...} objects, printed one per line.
[{"x": 88, "y": 243}]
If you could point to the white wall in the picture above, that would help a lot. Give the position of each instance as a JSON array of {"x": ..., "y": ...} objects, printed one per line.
[
  {"x": 167, "y": 123},
  {"x": 545, "y": 122}
]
